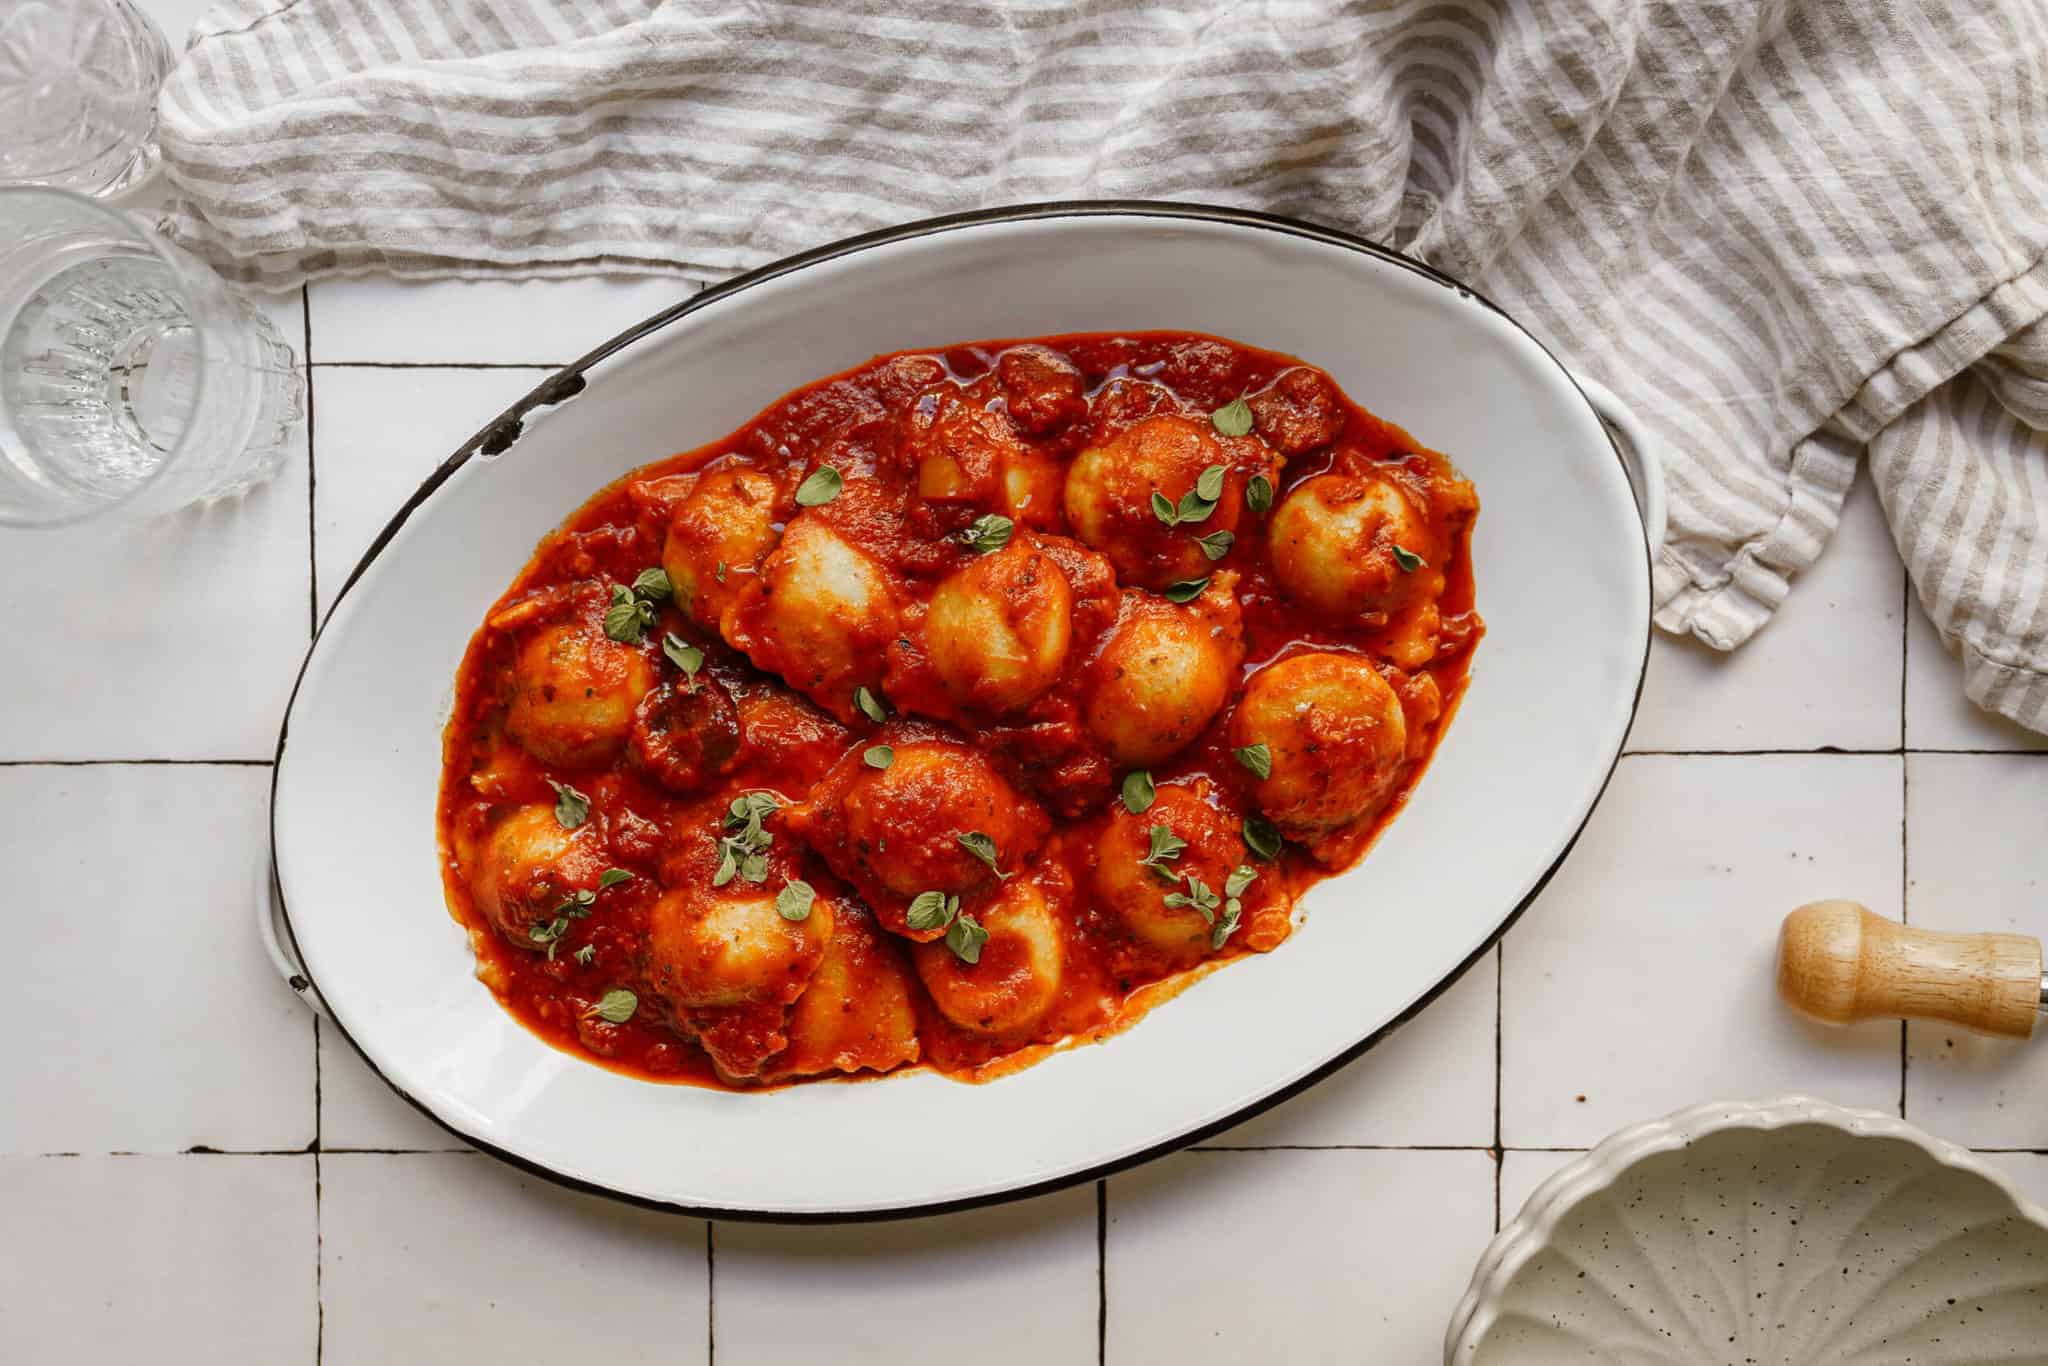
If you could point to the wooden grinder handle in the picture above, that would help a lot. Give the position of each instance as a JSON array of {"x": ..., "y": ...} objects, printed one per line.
[{"x": 1839, "y": 963}]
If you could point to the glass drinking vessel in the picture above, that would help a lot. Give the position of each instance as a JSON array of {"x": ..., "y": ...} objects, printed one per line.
[
  {"x": 78, "y": 85},
  {"x": 133, "y": 380}
]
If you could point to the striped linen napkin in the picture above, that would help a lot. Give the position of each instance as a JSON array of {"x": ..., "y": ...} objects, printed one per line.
[{"x": 1788, "y": 232}]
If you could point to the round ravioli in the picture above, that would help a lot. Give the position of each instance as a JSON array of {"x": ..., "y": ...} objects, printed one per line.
[
  {"x": 1114, "y": 490},
  {"x": 717, "y": 534},
  {"x": 1334, "y": 734},
  {"x": 820, "y": 613},
  {"x": 1018, "y": 973},
  {"x": 574, "y": 691},
  {"x": 1164, "y": 872},
  {"x": 709, "y": 947},
  {"x": 1163, "y": 672},
  {"x": 998, "y": 630},
  {"x": 527, "y": 865}
]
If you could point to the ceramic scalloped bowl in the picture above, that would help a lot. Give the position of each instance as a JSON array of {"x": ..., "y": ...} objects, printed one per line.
[{"x": 1786, "y": 1233}]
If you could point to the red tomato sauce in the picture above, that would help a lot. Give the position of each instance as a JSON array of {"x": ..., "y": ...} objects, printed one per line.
[{"x": 909, "y": 436}]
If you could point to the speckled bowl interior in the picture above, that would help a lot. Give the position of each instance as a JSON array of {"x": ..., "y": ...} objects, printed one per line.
[{"x": 1765, "y": 1235}]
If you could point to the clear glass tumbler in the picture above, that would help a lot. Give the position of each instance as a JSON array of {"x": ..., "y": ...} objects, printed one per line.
[
  {"x": 78, "y": 85},
  {"x": 133, "y": 380}
]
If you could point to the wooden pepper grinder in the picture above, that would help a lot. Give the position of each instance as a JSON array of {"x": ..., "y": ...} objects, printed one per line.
[{"x": 1839, "y": 963}]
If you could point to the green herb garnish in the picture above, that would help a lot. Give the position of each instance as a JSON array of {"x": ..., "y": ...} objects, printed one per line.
[
  {"x": 616, "y": 1005},
  {"x": 1216, "y": 544},
  {"x": 612, "y": 877},
  {"x": 1138, "y": 792},
  {"x": 572, "y": 808},
  {"x": 988, "y": 533},
  {"x": 683, "y": 655},
  {"x": 653, "y": 584},
  {"x": 983, "y": 848},
  {"x": 549, "y": 934},
  {"x": 1199, "y": 895},
  {"x": 793, "y": 902},
  {"x": 1196, "y": 504},
  {"x": 1164, "y": 848},
  {"x": 1258, "y": 494},
  {"x": 965, "y": 939},
  {"x": 1233, "y": 912},
  {"x": 870, "y": 705},
  {"x": 744, "y": 853},
  {"x": 820, "y": 488},
  {"x": 1257, "y": 759},
  {"x": 1262, "y": 837},
  {"x": 878, "y": 756},
  {"x": 1187, "y": 590},
  {"x": 628, "y": 617},
  {"x": 1408, "y": 559},
  {"x": 1233, "y": 418},
  {"x": 931, "y": 910}
]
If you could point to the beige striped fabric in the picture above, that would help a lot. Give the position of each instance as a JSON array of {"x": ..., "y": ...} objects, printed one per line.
[{"x": 1788, "y": 232}]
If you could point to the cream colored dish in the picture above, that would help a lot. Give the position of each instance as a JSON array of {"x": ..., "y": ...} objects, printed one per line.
[{"x": 1778, "y": 1233}]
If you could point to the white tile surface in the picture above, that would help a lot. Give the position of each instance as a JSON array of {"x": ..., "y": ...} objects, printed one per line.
[
  {"x": 523, "y": 322},
  {"x": 1014, "y": 1283},
  {"x": 1431, "y": 1084},
  {"x": 1823, "y": 673},
  {"x": 157, "y": 1259},
  {"x": 378, "y": 433},
  {"x": 1938, "y": 713},
  {"x": 140, "y": 1013},
  {"x": 1297, "y": 1257},
  {"x": 1975, "y": 829},
  {"x": 454, "y": 1257},
  {"x": 1522, "y": 1171},
  {"x": 1641, "y": 981},
  {"x": 2029, "y": 1172},
  {"x": 357, "y": 1110},
  {"x": 177, "y": 638}
]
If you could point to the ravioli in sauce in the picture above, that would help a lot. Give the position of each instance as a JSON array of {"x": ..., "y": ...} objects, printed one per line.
[{"x": 959, "y": 707}]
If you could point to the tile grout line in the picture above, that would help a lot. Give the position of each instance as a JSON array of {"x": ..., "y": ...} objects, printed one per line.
[
  {"x": 134, "y": 763},
  {"x": 1905, "y": 650},
  {"x": 1905, "y": 911},
  {"x": 312, "y": 478},
  {"x": 1102, "y": 1273},
  {"x": 1905, "y": 797},
  {"x": 1500, "y": 1014},
  {"x": 319, "y": 1226}
]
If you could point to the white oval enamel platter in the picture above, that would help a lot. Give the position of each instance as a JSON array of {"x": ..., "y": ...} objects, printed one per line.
[{"x": 1563, "y": 583}]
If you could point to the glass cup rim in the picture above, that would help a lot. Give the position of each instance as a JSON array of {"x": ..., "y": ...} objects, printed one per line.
[
  {"x": 142, "y": 32},
  {"x": 180, "y": 268}
]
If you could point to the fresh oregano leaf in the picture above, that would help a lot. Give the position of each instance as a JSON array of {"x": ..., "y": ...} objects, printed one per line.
[
  {"x": 616, "y": 1005},
  {"x": 820, "y": 488},
  {"x": 793, "y": 902},
  {"x": 965, "y": 938},
  {"x": 572, "y": 808},
  {"x": 1233, "y": 418}
]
